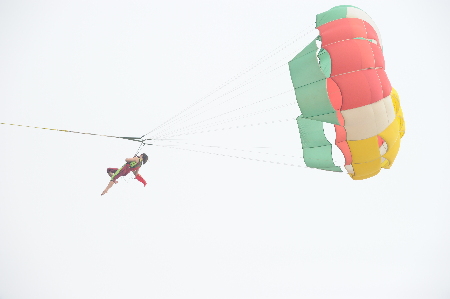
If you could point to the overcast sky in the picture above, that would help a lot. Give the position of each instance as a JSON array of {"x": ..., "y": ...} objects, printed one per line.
[{"x": 210, "y": 226}]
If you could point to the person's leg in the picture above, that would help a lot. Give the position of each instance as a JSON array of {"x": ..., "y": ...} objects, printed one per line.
[
  {"x": 110, "y": 184},
  {"x": 123, "y": 171}
]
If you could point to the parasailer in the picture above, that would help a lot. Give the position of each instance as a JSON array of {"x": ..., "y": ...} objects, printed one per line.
[{"x": 132, "y": 165}]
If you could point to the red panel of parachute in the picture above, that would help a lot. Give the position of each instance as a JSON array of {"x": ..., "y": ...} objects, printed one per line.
[{"x": 355, "y": 61}]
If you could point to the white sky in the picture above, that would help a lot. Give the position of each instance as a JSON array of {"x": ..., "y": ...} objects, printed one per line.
[{"x": 208, "y": 226}]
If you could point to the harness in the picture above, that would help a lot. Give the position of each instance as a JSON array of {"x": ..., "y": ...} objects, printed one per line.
[
  {"x": 134, "y": 165},
  {"x": 126, "y": 168}
]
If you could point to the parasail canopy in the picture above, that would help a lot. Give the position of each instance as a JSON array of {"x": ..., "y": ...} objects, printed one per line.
[{"x": 340, "y": 78}]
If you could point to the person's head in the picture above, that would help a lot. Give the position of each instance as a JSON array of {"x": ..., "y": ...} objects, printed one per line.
[{"x": 144, "y": 158}]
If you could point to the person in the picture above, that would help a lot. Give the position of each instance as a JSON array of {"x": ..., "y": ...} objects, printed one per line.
[{"x": 132, "y": 165}]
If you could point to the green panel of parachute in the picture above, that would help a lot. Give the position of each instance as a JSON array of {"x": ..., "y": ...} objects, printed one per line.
[
  {"x": 335, "y": 13},
  {"x": 309, "y": 70}
]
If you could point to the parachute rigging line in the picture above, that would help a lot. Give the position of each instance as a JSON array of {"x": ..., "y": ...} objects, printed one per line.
[
  {"x": 180, "y": 143},
  {"x": 206, "y": 126},
  {"x": 302, "y": 34},
  {"x": 237, "y": 127},
  {"x": 239, "y": 157},
  {"x": 140, "y": 146},
  {"x": 195, "y": 113},
  {"x": 183, "y": 129}
]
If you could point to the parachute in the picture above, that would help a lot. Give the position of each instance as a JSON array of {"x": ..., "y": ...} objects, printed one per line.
[
  {"x": 340, "y": 79},
  {"x": 339, "y": 82}
]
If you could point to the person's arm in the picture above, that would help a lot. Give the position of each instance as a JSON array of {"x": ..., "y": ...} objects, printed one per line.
[{"x": 135, "y": 159}]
